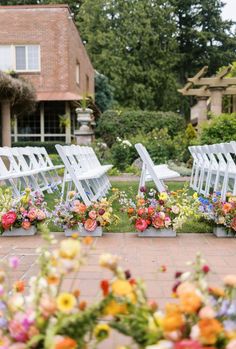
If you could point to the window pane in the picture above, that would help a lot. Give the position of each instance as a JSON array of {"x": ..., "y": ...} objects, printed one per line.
[
  {"x": 52, "y": 110},
  {"x": 33, "y": 57},
  {"x": 5, "y": 58},
  {"x": 29, "y": 123},
  {"x": 20, "y": 58}
]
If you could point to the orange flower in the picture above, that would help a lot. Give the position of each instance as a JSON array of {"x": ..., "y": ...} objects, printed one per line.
[
  {"x": 82, "y": 305},
  {"x": 190, "y": 302},
  {"x": 130, "y": 210},
  {"x": 227, "y": 207},
  {"x": 140, "y": 202},
  {"x": 217, "y": 291},
  {"x": 174, "y": 319},
  {"x": 66, "y": 343},
  {"x": 88, "y": 240},
  {"x": 90, "y": 225},
  {"x": 76, "y": 293},
  {"x": 209, "y": 330},
  {"x": 53, "y": 280},
  {"x": 19, "y": 286}
]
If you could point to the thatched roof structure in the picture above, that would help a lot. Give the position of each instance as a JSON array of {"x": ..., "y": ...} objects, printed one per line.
[{"x": 20, "y": 93}]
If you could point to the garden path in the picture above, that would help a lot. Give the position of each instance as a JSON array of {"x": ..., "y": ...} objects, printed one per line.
[{"x": 144, "y": 257}]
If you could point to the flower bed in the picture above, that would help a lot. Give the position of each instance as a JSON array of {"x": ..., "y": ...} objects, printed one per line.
[
  {"x": 21, "y": 216},
  {"x": 221, "y": 213},
  {"x": 44, "y": 316},
  {"x": 155, "y": 213},
  {"x": 74, "y": 216}
]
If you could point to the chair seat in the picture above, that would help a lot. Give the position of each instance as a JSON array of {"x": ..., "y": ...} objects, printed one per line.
[
  {"x": 91, "y": 174},
  {"x": 163, "y": 172}
]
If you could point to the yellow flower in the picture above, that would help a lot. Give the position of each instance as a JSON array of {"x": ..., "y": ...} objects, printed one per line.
[
  {"x": 65, "y": 302},
  {"x": 69, "y": 248},
  {"x": 121, "y": 287},
  {"x": 106, "y": 216},
  {"x": 102, "y": 331},
  {"x": 195, "y": 196},
  {"x": 163, "y": 196},
  {"x": 114, "y": 308}
]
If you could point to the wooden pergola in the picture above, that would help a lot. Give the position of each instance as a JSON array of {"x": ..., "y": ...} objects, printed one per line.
[{"x": 209, "y": 91}]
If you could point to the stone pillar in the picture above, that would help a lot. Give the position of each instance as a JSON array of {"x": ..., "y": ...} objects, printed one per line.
[
  {"x": 234, "y": 104},
  {"x": 68, "y": 126},
  {"x": 199, "y": 110},
  {"x": 42, "y": 131},
  {"x": 216, "y": 100},
  {"x": 84, "y": 135},
  {"x": 6, "y": 123}
]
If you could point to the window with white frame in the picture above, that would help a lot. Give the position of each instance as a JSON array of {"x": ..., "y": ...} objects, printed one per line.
[
  {"x": 20, "y": 58},
  {"x": 77, "y": 73}
]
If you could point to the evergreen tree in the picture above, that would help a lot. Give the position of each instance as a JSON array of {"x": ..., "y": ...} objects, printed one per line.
[
  {"x": 131, "y": 42},
  {"x": 103, "y": 92}
]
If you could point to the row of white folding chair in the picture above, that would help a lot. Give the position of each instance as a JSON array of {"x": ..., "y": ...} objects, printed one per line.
[
  {"x": 31, "y": 167},
  {"x": 150, "y": 171},
  {"x": 83, "y": 172},
  {"x": 214, "y": 168}
]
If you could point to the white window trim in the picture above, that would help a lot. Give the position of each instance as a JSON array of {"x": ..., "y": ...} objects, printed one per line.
[
  {"x": 13, "y": 58},
  {"x": 77, "y": 73},
  {"x": 26, "y": 61}
]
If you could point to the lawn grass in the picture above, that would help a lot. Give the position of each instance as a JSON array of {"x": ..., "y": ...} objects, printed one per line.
[{"x": 124, "y": 226}]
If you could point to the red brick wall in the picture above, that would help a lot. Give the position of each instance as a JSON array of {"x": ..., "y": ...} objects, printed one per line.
[{"x": 59, "y": 41}]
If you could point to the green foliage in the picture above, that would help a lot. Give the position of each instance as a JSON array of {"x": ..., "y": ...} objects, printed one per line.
[
  {"x": 122, "y": 154},
  {"x": 113, "y": 124},
  {"x": 219, "y": 129},
  {"x": 50, "y": 146},
  {"x": 103, "y": 92}
]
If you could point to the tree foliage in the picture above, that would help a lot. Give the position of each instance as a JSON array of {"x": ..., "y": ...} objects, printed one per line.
[{"x": 103, "y": 92}]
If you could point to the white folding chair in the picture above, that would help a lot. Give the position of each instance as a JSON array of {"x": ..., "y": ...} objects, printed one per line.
[
  {"x": 79, "y": 174},
  {"x": 157, "y": 173},
  {"x": 44, "y": 161}
]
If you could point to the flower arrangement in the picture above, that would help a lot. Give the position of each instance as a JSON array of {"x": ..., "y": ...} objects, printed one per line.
[
  {"x": 24, "y": 212},
  {"x": 73, "y": 212},
  {"x": 46, "y": 316},
  {"x": 160, "y": 210},
  {"x": 221, "y": 213}
]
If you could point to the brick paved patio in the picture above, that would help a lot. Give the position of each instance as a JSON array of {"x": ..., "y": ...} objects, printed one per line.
[{"x": 143, "y": 256}]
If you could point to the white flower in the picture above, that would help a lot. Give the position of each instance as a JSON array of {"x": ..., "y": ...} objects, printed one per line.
[
  {"x": 195, "y": 332},
  {"x": 185, "y": 276}
]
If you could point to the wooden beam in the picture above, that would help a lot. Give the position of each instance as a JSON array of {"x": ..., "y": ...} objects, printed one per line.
[
  {"x": 201, "y": 73},
  {"x": 230, "y": 91},
  {"x": 224, "y": 72},
  {"x": 214, "y": 82},
  {"x": 198, "y": 92}
]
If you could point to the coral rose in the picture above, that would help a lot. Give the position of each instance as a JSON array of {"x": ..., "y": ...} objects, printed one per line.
[
  {"x": 188, "y": 344},
  {"x": 227, "y": 207},
  {"x": 185, "y": 287},
  {"x": 141, "y": 224},
  {"x": 81, "y": 208},
  {"x": 158, "y": 222},
  {"x": 32, "y": 214},
  {"x": 207, "y": 312},
  {"x": 151, "y": 211},
  {"x": 90, "y": 224},
  {"x": 41, "y": 215},
  {"x": 8, "y": 219},
  {"x": 65, "y": 343},
  {"x": 26, "y": 225},
  {"x": 141, "y": 211}
]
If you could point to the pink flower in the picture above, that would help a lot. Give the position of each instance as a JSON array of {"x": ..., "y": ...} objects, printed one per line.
[
  {"x": 90, "y": 224},
  {"x": 26, "y": 225},
  {"x": 167, "y": 221},
  {"x": 207, "y": 312},
  {"x": 41, "y": 215},
  {"x": 157, "y": 222},
  {"x": 14, "y": 262},
  {"x": 92, "y": 215},
  {"x": 8, "y": 219},
  {"x": 17, "y": 346},
  {"x": 188, "y": 343},
  {"x": 141, "y": 224},
  {"x": 32, "y": 214}
]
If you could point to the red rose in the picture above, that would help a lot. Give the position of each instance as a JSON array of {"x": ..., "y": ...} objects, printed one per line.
[
  {"x": 141, "y": 211},
  {"x": 104, "y": 284},
  {"x": 205, "y": 269},
  {"x": 233, "y": 223},
  {"x": 8, "y": 219},
  {"x": 151, "y": 211},
  {"x": 188, "y": 343},
  {"x": 141, "y": 224}
]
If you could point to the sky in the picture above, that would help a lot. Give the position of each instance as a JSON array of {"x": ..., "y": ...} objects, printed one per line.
[{"x": 229, "y": 11}]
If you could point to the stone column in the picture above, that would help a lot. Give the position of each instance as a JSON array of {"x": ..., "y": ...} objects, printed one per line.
[
  {"x": 234, "y": 104},
  {"x": 216, "y": 100},
  {"x": 6, "y": 123},
  {"x": 199, "y": 110},
  {"x": 68, "y": 127}
]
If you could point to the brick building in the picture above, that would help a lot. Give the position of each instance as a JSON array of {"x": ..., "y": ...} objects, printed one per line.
[{"x": 41, "y": 43}]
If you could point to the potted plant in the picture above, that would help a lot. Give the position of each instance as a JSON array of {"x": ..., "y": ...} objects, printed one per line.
[
  {"x": 75, "y": 217},
  {"x": 160, "y": 214},
  {"x": 221, "y": 213},
  {"x": 21, "y": 216}
]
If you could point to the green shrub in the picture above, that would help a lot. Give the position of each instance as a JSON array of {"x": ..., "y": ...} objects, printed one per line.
[
  {"x": 50, "y": 146},
  {"x": 219, "y": 129},
  {"x": 113, "y": 124},
  {"x": 122, "y": 153}
]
